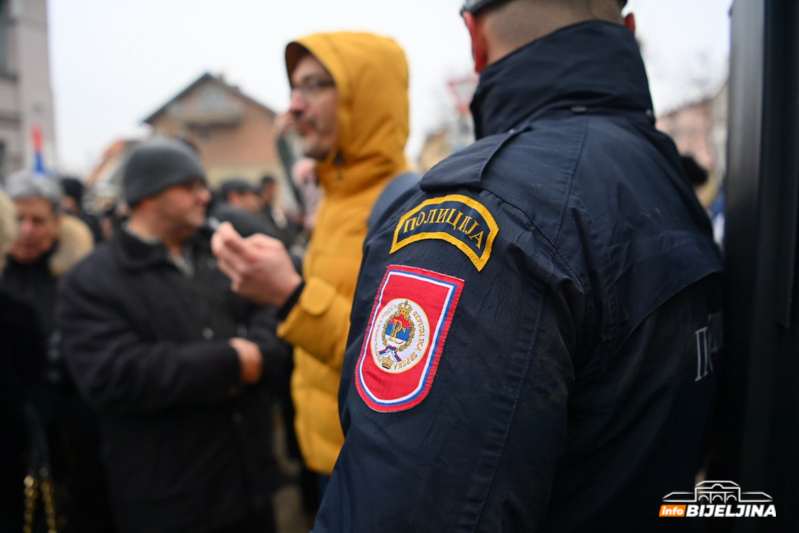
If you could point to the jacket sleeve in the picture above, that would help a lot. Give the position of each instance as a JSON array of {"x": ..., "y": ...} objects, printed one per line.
[
  {"x": 479, "y": 452},
  {"x": 319, "y": 323},
  {"x": 117, "y": 371},
  {"x": 262, "y": 330}
]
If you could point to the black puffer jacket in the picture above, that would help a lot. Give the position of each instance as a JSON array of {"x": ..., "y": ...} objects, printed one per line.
[{"x": 185, "y": 447}]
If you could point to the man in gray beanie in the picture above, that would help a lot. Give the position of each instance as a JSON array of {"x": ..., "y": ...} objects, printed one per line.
[
  {"x": 173, "y": 361},
  {"x": 157, "y": 165}
]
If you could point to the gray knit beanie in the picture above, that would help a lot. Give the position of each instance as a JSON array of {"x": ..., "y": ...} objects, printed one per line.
[{"x": 157, "y": 165}]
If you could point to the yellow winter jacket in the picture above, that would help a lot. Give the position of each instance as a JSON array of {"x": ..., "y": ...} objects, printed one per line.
[{"x": 371, "y": 76}]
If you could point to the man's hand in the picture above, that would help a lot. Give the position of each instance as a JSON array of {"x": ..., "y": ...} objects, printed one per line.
[
  {"x": 259, "y": 267},
  {"x": 250, "y": 360}
]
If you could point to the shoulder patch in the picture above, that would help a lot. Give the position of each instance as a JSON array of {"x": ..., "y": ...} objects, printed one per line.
[
  {"x": 461, "y": 221},
  {"x": 407, "y": 329}
]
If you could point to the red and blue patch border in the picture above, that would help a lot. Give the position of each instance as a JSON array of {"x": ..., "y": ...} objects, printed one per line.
[{"x": 434, "y": 350}]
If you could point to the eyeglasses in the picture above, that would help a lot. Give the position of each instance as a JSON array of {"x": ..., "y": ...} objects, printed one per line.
[{"x": 311, "y": 88}]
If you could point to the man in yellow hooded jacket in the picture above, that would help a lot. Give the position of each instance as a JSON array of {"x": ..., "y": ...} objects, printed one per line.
[{"x": 349, "y": 103}]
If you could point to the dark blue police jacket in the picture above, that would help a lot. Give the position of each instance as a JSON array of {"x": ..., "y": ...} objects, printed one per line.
[{"x": 536, "y": 325}]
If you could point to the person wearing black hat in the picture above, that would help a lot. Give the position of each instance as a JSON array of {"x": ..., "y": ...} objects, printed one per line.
[
  {"x": 239, "y": 203},
  {"x": 174, "y": 363},
  {"x": 536, "y": 326},
  {"x": 72, "y": 203},
  {"x": 241, "y": 193}
]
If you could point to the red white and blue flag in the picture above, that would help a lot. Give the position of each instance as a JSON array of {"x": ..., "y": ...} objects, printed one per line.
[
  {"x": 38, "y": 158},
  {"x": 405, "y": 337}
]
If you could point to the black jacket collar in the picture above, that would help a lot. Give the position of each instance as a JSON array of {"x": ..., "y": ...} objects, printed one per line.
[
  {"x": 42, "y": 263},
  {"x": 592, "y": 65},
  {"x": 136, "y": 254}
]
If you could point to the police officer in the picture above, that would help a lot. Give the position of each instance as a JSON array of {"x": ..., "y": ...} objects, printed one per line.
[{"x": 534, "y": 330}]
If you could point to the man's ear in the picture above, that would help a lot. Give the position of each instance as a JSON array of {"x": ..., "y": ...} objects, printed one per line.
[
  {"x": 479, "y": 48},
  {"x": 629, "y": 21}
]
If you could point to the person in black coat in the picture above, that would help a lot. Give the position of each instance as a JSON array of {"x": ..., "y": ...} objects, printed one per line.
[
  {"x": 49, "y": 242},
  {"x": 173, "y": 361},
  {"x": 21, "y": 365}
]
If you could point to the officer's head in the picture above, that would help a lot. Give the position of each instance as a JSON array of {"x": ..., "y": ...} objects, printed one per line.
[
  {"x": 314, "y": 102},
  {"x": 37, "y": 199},
  {"x": 498, "y": 27}
]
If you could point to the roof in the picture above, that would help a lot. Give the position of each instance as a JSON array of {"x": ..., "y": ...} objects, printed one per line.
[
  {"x": 110, "y": 162},
  {"x": 202, "y": 79}
]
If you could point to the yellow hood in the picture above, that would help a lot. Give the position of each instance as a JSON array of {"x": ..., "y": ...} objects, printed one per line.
[{"x": 371, "y": 76}]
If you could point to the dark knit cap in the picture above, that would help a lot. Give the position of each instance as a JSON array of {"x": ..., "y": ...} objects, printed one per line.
[
  {"x": 238, "y": 185},
  {"x": 73, "y": 188},
  {"x": 157, "y": 165}
]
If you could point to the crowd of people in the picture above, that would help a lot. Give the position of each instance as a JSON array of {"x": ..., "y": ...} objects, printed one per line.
[
  {"x": 151, "y": 277},
  {"x": 508, "y": 343}
]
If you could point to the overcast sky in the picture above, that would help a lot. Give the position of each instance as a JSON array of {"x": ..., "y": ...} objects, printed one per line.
[{"x": 115, "y": 62}]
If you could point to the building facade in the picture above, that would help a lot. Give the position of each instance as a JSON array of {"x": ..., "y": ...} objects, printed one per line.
[
  {"x": 27, "y": 126},
  {"x": 235, "y": 134}
]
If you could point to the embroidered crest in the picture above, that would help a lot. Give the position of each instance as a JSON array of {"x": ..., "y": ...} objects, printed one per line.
[
  {"x": 397, "y": 327},
  {"x": 405, "y": 337},
  {"x": 456, "y": 219}
]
